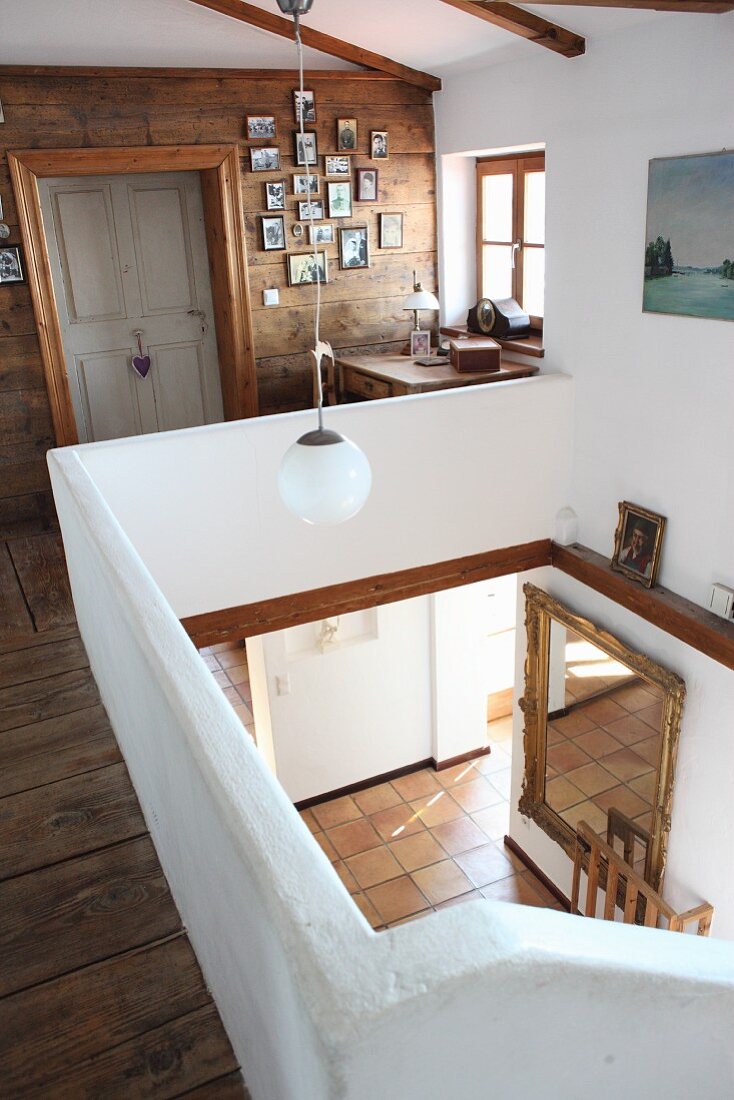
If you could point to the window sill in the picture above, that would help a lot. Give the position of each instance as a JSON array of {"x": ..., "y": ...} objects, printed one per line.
[{"x": 529, "y": 345}]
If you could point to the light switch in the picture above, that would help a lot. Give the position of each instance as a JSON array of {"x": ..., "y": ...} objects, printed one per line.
[
  {"x": 271, "y": 297},
  {"x": 721, "y": 601}
]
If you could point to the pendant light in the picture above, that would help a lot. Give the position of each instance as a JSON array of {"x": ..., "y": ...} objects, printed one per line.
[{"x": 324, "y": 478}]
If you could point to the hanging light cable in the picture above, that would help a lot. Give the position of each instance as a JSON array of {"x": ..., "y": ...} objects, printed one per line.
[{"x": 324, "y": 478}]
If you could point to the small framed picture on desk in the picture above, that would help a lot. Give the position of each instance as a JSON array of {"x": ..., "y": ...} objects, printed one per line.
[{"x": 420, "y": 343}]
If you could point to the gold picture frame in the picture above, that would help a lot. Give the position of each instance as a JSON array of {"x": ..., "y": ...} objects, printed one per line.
[{"x": 638, "y": 541}]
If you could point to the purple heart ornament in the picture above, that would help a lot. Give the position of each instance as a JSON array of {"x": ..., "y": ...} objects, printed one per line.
[{"x": 141, "y": 364}]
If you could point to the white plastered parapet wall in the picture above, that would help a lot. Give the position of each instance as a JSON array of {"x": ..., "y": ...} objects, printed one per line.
[{"x": 317, "y": 1005}]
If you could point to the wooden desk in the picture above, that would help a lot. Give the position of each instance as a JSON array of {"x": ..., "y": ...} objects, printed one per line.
[{"x": 375, "y": 376}]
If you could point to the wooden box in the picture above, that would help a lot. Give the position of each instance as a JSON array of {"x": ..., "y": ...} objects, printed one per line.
[{"x": 474, "y": 353}]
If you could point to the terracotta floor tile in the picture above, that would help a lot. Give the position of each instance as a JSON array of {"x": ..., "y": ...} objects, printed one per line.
[
  {"x": 410, "y": 919},
  {"x": 308, "y": 819},
  {"x": 644, "y": 820},
  {"x": 645, "y": 786},
  {"x": 323, "y": 841},
  {"x": 622, "y": 798},
  {"x": 368, "y": 910},
  {"x": 417, "y": 851},
  {"x": 336, "y": 812},
  {"x": 220, "y": 679},
  {"x": 244, "y": 692},
  {"x": 442, "y": 881},
  {"x": 597, "y": 743},
  {"x": 212, "y": 663},
  {"x": 374, "y": 866},
  {"x": 348, "y": 879},
  {"x": 495, "y": 820},
  {"x": 649, "y": 750},
  {"x": 420, "y": 784},
  {"x": 476, "y": 794},
  {"x": 566, "y": 757},
  {"x": 238, "y": 674},
  {"x": 502, "y": 782},
  {"x": 573, "y": 724},
  {"x": 228, "y": 658},
  {"x": 629, "y": 729},
  {"x": 460, "y": 835},
  {"x": 554, "y": 736},
  {"x": 357, "y": 836},
  {"x": 485, "y": 865},
  {"x": 397, "y": 822},
  {"x": 377, "y": 798},
  {"x": 626, "y": 764},
  {"x": 397, "y": 899},
  {"x": 437, "y": 809},
  {"x": 591, "y": 779},
  {"x": 500, "y": 730},
  {"x": 470, "y": 896},
  {"x": 635, "y": 697},
  {"x": 652, "y": 715},
  {"x": 231, "y": 695},
  {"x": 228, "y": 647},
  {"x": 589, "y": 812},
  {"x": 496, "y": 761},
  {"x": 244, "y": 714},
  {"x": 460, "y": 773},
  {"x": 604, "y": 711},
  {"x": 542, "y": 891},
  {"x": 515, "y": 889},
  {"x": 560, "y": 794}
]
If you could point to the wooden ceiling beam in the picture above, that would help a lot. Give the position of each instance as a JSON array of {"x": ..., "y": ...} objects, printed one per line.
[
  {"x": 524, "y": 23},
  {"x": 699, "y": 7},
  {"x": 317, "y": 40}
]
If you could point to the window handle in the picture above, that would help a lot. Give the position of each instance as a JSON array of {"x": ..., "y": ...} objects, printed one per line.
[{"x": 516, "y": 246}]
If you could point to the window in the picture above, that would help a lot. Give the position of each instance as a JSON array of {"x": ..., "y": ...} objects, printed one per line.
[{"x": 511, "y": 231}]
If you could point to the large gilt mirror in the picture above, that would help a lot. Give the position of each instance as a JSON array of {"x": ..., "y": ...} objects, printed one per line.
[{"x": 601, "y": 732}]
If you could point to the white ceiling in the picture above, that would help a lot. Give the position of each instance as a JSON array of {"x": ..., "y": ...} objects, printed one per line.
[{"x": 425, "y": 34}]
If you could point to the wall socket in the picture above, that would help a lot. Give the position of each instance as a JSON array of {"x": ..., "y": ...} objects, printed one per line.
[
  {"x": 721, "y": 601},
  {"x": 271, "y": 297}
]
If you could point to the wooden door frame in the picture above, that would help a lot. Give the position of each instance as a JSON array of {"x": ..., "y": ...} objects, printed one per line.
[{"x": 219, "y": 169}]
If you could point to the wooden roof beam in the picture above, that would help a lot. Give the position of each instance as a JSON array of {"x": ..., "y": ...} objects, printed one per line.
[
  {"x": 524, "y": 23},
  {"x": 698, "y": 7},
  {"x": 317, "y": 40}
]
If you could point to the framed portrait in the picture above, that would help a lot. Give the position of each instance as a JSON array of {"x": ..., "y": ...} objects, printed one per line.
[
  {"x": 391, "y": 230},
  {"x": 273, "y": 233},
  {"x": 305, "y": 268},
  {"x": 346, "y": 135},
  {"x": 303, "y": 183},
  {"x": 340, "y": 200},
  {"x": 321, "y": 234},
  {"x": 309, "y": 210},
  {"x": 637, "y": 543},
  {"x": 260, "y": 126},
  {"x": 354, "y": 247},
  {"x": 11, "y": 265},
  {"x": 265, "y": 159},
  {"x": 338, "y": 166},
  {"x": 420, "y": 343},
  {"x": 304, "y": 107},
  {"x": 379, "y": 148},
  {"x": 367, "y": 183},
  {"x": 275, "y": 195},
  {"x": 307, "y": 151}
]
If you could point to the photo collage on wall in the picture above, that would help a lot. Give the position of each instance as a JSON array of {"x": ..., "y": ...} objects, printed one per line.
[{"x": 321, "y": 206}]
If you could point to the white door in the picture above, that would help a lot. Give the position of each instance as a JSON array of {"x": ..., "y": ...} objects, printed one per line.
[{"x": 128, "y": 255}]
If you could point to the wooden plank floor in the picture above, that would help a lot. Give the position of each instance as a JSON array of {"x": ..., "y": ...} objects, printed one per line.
[{"x": 100, "y": 991}]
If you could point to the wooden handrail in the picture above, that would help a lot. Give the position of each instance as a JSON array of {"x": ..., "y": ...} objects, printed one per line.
[{"x": 641, "y": 902}]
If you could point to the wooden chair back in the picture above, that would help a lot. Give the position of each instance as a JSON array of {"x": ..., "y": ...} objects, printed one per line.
[{"x": 641, "y": 904}]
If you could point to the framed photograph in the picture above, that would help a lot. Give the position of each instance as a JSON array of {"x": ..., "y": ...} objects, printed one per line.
[
  {"x": 637, "y": 543},
  {"x": 275, "y": 195},
  {"x": 689, "y": 202},
  {"x": 265, "y": 159},
  {"x": 260, "y": 126},
  {"x": 354, "y": 247},
  {"x": 346, "y": 135},
  {"x": 420, "y": 343},
  {"x": 307, "y": 151},
  {"x": 303, "y": 183},
  {"x": 338, "y": 166},
  {"x": 367, "y": 181},
  {"x": 309, "y": 210},
  {"x": 304, "y": 108},
  {"x": 379, "y": 149},
  {"x": 305, "y": 268},
  {"x": 340, "y": 200},
  {"x": 321, "y": 234},
  {"x": 273, "y": 233},
  {"x": 391, "y": 230},
  {"x": 11, "y": 267}
]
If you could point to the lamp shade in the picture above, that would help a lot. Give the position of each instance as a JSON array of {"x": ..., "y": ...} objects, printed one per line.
[
  {"x": 324, "y": 478},
  {"x": 421, "y": 299},
  {"x": 295, "y": 7}
]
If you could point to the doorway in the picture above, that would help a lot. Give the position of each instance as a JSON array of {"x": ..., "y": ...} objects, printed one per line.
[
  {"x": 218, "y": 170},
  {"x": 128, "y": 260}
]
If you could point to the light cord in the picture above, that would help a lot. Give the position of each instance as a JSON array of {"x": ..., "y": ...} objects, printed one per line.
[{"x": 317, "y": 320}]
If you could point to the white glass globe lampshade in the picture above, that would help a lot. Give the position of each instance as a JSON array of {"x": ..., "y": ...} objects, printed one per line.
[{"x": 324, "y": 478}]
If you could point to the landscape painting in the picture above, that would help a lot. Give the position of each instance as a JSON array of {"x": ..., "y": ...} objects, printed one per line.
[{"x": 689, "y": 241}]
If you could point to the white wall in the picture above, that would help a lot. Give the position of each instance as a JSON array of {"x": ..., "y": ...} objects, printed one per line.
[{"x": 654, "y": 393}]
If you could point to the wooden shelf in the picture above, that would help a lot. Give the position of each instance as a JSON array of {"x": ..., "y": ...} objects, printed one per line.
[
  {"x": 685, "y": 620},
  {"x": 528, "y": 345}
]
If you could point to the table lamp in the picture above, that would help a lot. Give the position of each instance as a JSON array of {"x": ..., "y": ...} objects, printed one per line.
[{"x": 418, "y": 300}]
